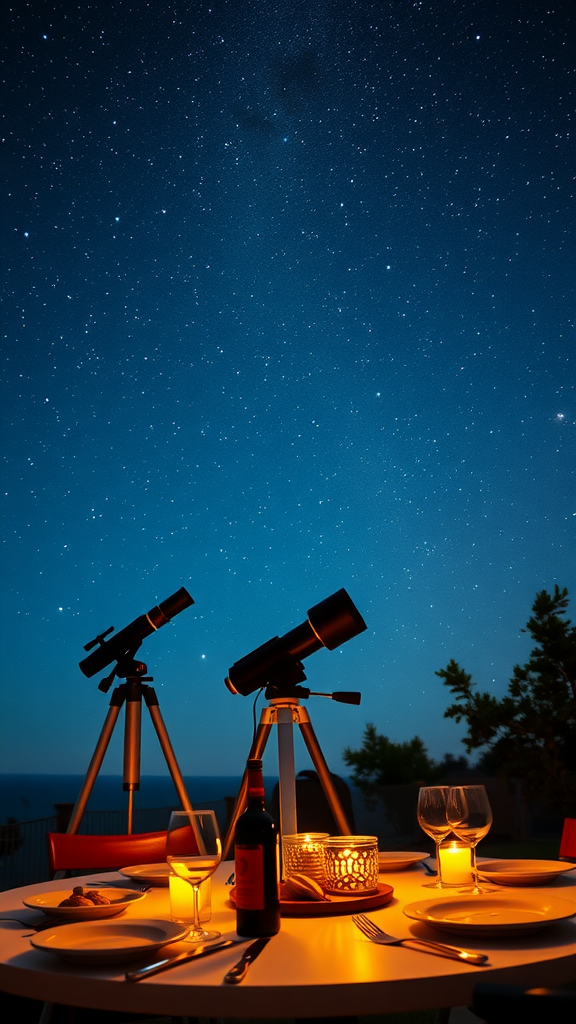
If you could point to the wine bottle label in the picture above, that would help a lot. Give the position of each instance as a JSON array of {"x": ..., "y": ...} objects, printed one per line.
[{"x": 249, "y": 875}]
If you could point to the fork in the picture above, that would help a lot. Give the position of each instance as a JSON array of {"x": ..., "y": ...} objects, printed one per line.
[
  {"x": 118, "y": 885},
  {"x": 375, "y": 934},
  {"x": 48, "y": 922}
]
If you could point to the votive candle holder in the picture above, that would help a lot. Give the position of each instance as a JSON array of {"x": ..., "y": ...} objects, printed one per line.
[
  {"x": 303, "y": 854},
  {"x": 456, "y": 863},
  {"x": 182, "y": 900},
  {"x": 351, "y": 865}
]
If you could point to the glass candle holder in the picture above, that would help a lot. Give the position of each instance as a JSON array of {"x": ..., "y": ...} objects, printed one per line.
[
  {"x": 351, "y": 865},
  {"x": 182, "y": 900},
  {"x": 303, "y": 854},
  {"x": 456, "y": 863}
]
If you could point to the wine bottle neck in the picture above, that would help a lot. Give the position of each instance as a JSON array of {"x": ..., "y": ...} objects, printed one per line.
[
  {"x": 255, "y": 788},
  {"x": 255, "y": 780}
]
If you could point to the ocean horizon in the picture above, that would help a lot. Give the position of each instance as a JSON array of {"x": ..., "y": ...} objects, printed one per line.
[{"x": 29, "y": 797}]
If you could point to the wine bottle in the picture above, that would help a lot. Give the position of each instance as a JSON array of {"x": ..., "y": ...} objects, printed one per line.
[{"x": 256, "y": 857}]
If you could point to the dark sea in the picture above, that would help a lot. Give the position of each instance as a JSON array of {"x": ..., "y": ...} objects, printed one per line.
[{"x": 29, "y": 797}]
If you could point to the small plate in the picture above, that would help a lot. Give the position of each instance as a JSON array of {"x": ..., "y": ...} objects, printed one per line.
[
  {"x": 335, "y": 905},
  {"x": 523, "y": 872},
  {"x": 491, "y": 915},
  {"x": 153, "y": 874},
  {"x": 398, "y": 860},
  {"x": 104, "y": 942},
  {"x": 119, "y": 900}
]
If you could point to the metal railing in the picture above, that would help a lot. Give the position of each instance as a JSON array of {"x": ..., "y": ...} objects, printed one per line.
[{"x": 23, "y": 853}]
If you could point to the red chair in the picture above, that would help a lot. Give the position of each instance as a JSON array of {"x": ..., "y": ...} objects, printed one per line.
[
  {"x": 100, "y": 853},
  {"x": 568, "y": 840}
]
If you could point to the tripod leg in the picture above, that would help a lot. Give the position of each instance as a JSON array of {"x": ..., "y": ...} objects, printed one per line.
[
  {"x": 321, "y": 767},
  {"x": 257, "y": 749},
  {"x": 116, "y": 701},
  {"x": 169, "y": 755}
]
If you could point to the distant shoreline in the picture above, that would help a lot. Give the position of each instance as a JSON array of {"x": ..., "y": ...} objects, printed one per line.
[{"x": 30, "y": 796}]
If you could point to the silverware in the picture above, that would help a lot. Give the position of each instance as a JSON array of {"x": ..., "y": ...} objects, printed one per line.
[
  {"x": 27, "y": 924},
  {"x": 238, "y": 972},
  {"x": 192, "y": 954},
  {"x": 51, "y": 922},
  {"x": 375, "y": 934},
  {"x": 429, "y": 869},
  {"x": 118, "y": 885},
  {"x": 38, "y": 926}
]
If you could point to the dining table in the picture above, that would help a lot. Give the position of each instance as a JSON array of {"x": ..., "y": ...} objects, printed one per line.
[{"x": 318, "y": 965}]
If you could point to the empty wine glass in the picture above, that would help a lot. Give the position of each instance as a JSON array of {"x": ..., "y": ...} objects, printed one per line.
[
  {"x": 432, "y": 820},
  {"x": 193, "y": 852},
  {"x": 470, "y": 817}
]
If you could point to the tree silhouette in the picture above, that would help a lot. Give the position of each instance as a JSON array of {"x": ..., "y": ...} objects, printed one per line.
[
  {"x": 380, "y": 762},
  {"x": 531, "y": 732}
]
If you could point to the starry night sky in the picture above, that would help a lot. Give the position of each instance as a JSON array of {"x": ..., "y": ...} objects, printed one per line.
[{"x": 288, "y": 307}]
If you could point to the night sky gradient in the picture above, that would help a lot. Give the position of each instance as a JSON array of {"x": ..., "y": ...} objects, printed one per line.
[{"x": 288, "y": 307}]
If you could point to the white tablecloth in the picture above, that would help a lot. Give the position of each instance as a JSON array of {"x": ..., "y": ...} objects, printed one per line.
[{"x": 315, "y": 966}]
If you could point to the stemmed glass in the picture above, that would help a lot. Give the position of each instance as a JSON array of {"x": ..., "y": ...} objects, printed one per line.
[
  {"x": 432, "y": 820},
  {"x": 470, "y": 817},
  {"x": 193, "y": 852}
]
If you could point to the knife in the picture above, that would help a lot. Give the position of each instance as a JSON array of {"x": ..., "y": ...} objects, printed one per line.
[
  {"x": 239, "y": 970},
  {"x": 165, "y": 965}
]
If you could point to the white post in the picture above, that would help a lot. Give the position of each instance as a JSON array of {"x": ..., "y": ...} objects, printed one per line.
[{"x": 287, "y": 780}]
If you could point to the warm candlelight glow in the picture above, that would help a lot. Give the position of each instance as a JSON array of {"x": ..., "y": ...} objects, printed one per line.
[
  {"x": 182, "y": 900},
  {"x": 456, "y": 864},
  {"x": 303, "y": 854},
  {"x": 351, "y": 864}
]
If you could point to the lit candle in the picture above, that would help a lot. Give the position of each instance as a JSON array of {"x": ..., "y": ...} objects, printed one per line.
[
  {"x": 456, "y": 864},
  {"x": 351, "y": 864},
  {"x": 182, "y": 900},
  {"x": 303, "y": 854}
]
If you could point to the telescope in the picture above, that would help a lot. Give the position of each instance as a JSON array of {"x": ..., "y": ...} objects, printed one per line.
[
  {"x": 329, "y": 624},
  {"x": 128, "y": 640}
]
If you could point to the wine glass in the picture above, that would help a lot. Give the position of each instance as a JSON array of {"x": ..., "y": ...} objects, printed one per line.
[
  {"x": 432, "y": 820},
  {"x": 470, "y": 817},
  {"x": 193, "y": 852}
]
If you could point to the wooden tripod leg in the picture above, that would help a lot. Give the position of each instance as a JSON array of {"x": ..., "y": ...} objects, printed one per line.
[
  {"x": 321, "y": 767},
  {"x": 116, "y": 702},
  {"x": 257, "y": 750}
]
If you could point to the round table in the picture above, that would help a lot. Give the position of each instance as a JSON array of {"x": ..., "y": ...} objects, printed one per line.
[{"x": 319, "y": 966}]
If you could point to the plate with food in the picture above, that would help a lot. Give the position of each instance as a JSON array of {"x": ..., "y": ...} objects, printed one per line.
[
  {"x": 523, "y": 872},
  {"x": 81, "y": 904},
  {"x": 399, "y": 860},
  {"x": 497, "y": 914},
  {"x": 153, "y": 874},
  {"x": 104, "y": 942}
]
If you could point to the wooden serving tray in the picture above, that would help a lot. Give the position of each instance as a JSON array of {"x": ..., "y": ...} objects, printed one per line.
[{"x": 335, "y": 904}]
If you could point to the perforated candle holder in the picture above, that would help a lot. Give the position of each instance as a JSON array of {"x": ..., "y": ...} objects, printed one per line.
[
  {"x": 303, "y": 854},
  {"x": 351, "y": 865}
]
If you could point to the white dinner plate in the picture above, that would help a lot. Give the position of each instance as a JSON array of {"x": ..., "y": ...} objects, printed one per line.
[
  {"x": 397, "y": 860},
  {"x": 103, "y": 942},
  {"x": 523, "y": 872},
  {"x": 499, "y": 914},
  {"x": 153, "y": 874},
  {"x": 49, "y": 903}
]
